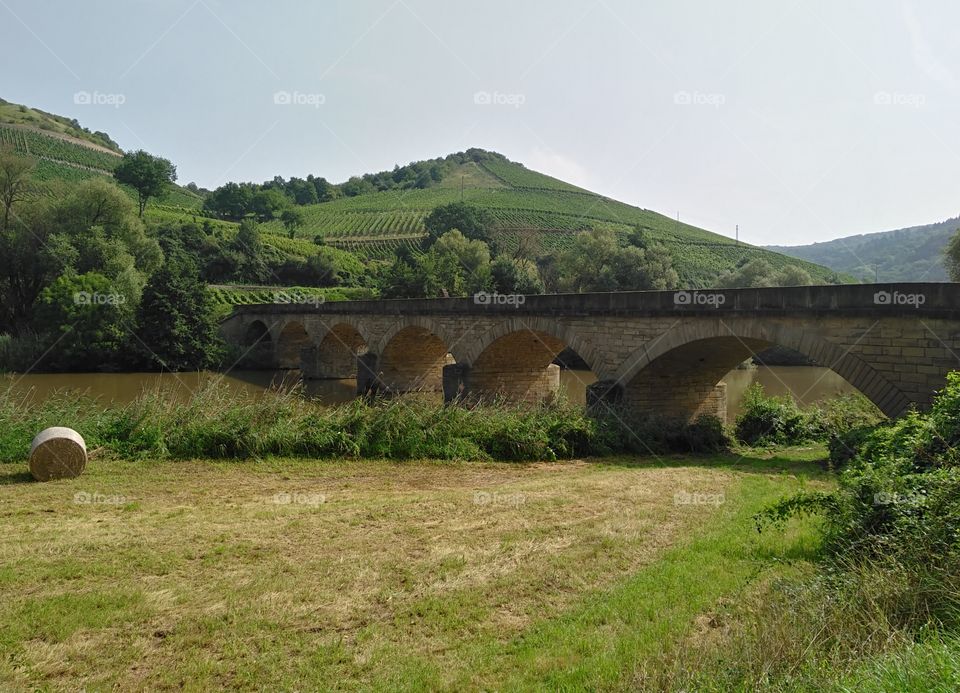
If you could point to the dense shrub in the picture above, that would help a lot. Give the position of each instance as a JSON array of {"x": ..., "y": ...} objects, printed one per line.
[
  {"x": 771, "y": 420},
  {"x": 898, "y": 508},
  {"x": 656, "y": 435},
  {"x": 844, "y": 422}
]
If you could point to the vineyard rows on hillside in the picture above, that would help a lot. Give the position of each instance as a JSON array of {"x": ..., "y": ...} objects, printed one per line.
[
  {"x": 308, "y": 295},
  {"x": 517, "y": 176},
  {"x": 46, "y": 147}
]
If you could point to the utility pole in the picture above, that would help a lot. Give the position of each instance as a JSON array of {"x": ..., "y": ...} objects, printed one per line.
[
  {"x": 738, "y": 234},
  {"x": 461, "y": 188}
]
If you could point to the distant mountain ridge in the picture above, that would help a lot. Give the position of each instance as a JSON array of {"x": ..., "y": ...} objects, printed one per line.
[{"x": 911, "y": 254}]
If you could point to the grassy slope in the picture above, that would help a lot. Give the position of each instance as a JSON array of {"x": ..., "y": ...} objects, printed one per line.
[
  {"x": 523, "y": 202},
  {"x": 34, "y": 118},
  {"x": 570, "y": 575},
  {"x": 910, "y": 255},
  {"x": 64, "y": 152}
]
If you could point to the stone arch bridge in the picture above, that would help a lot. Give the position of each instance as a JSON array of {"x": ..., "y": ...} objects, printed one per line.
[{"x": 661, "y": 352}]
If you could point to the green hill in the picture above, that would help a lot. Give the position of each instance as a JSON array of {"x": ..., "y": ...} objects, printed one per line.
[
  {"x": 65, "y": 150},
  {"x": 913, "y": 254},
  {"x": 375, "y": 214},
  {"x": 529, "y": 207}
]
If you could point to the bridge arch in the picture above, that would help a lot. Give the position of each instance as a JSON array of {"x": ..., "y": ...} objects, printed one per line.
[
  {"x": 412, "y": 355},
  {"x": 335, "y": 355},
  {"x": 515, "y": 359},
  {"x": 677, "y": 372},
  {"x": 256, "y": 332},
  {"x": 292, "y": 338},
  {"x": 543, "y": 325}
]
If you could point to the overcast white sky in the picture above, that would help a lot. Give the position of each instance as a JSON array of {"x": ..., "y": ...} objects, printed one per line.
[{"x": 801, "y": 121}]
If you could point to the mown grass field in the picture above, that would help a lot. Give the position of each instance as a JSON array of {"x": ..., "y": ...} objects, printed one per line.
[{"x": 304, "y": 575}]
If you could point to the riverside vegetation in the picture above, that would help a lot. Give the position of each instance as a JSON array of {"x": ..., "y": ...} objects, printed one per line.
[{"x": 851, "y": 583}]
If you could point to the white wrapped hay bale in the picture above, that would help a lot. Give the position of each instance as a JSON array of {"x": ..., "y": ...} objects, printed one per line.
[{"x": 57, "y": 453}]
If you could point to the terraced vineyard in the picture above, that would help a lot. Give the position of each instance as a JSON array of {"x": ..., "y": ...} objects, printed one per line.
[
  {"x": 518, "y": 176},
  {"x": 59, "y": 158},
  {"x": 528, "y": 207},
  {"x": 53, "y": 148},
  {"x": 237, "y": 295}
]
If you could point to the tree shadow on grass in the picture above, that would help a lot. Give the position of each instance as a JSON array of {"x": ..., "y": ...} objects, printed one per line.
[
  {"x": 750, "y": 461},
  {"x": 9, "y": 477}
]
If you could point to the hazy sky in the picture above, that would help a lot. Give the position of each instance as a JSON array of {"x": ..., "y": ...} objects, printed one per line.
[{"x": 801, "y": 121}]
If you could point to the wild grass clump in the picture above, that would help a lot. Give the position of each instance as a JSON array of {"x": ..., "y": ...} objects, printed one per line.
[{"x": 811, "y": 632}]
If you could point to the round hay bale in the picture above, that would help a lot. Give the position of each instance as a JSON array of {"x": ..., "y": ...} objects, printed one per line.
[{"x": 57, "y": 453}]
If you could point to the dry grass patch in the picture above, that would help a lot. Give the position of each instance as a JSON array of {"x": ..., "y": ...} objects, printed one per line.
[{"x": 200, "y": 573}]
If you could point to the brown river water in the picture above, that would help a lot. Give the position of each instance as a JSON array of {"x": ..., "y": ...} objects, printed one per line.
[{"x": 807, "y": 384}]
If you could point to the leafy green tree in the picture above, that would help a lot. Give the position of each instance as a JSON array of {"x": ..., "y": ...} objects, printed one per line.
[
  {"x": 759, "y": 273},
  {"x": 268, "y": 204},
  {"x": 515, "y": 276},
  {"x": 792, "y": 275},
  {"x": 83, "y": 322},
  {"x": 92, "y": 227},
  {"x": 952, "y": 257},
  {"x": 753, "y": 274},
  {"x": 249, "y": 253},
  {"x": 149, "y": 175},
  {"x": 428, "y": 276},
  {"x": 357, "y": 186},
  {"x": 597, "y": 262},
  {"x": 292, "y": 220},
  {"x": 176, "y": 321},
  {"x": 473, "y": 257},
  {"x": 15, "y": 181},
  {"x": 658, "y": 272},
  {"x": 230, "y": 201},
  {"x": 473, "y": 222}
]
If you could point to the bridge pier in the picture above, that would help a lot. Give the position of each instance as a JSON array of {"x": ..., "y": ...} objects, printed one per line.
[
  {"x": 676, "y": 396},
  {"x": 367, "y": 381},
  {"x": 456, "y": 379},
  {"x": 514, "y": 384}
]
